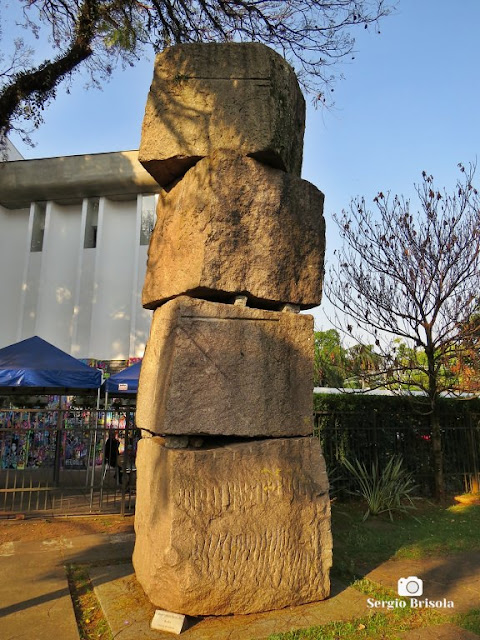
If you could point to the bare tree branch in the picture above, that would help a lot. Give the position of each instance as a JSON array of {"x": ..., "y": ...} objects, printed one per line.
[{"x": 416, "y": 277}]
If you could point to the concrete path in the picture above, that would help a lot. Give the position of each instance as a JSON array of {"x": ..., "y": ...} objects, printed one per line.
[
  {"x": 34, "y": 596},
  {"x": 35, "y": 602},
  {"x": 441, "y": 632},
  {"x": 129, "y": 613},
  {"x": 455, "y": 578}
]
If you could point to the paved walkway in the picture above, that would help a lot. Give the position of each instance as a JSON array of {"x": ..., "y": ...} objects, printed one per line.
[{"x": 35, "y": 603}]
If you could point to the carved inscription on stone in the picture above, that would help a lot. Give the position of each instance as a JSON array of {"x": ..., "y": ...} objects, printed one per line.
[
  {"x": 251, "y": 518},
  {"x": 270, "y": 557},
  {"x": 237, "y": 496}
]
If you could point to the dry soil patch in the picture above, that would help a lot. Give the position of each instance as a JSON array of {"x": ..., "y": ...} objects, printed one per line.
[{"x": 31, "y": 529}]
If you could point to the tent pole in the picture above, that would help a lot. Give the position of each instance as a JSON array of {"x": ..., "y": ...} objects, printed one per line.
[{"x": 89, "y": 459}]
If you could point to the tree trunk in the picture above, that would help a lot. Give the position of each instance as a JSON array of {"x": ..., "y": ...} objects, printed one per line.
[
  {"x": 39, "y": 83},
  {"x": 439, "y": 484},
  {"x": 437, "y": 457}
]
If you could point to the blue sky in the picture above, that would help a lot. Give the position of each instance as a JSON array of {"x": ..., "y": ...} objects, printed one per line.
[{"x": 409, "y": 102}]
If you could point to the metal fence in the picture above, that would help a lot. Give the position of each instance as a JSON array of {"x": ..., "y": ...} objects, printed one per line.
[
  {"x": 373, "y": 437},
  {"x": 54, "y": 462}
]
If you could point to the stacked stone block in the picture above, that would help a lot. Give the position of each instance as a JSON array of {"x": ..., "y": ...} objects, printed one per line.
[{"x": 232, "y": 512}]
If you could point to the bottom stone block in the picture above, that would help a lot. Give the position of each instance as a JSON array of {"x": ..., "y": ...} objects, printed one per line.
[{"x": 239, "y": 528}]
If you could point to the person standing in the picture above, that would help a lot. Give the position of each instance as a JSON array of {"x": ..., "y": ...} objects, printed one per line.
[{"x": 111, "y": 455}]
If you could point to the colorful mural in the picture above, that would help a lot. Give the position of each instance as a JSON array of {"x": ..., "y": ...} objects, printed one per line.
[{"x": 28, "y": 437}]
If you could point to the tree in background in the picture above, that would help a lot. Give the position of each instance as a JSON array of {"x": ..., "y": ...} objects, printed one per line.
[
  {"x": 465, "y": 365},
  {"x": 98, "y": 34},
  {"x": 336, "y": 366},
  {"x": 409, "y": 366},
  {"x": 364, "y": 366},
  {"x": 413, "y": 276},
  {"x": 329, "y": 360}
]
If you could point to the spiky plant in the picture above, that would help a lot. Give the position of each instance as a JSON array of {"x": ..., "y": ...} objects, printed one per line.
[{"x": 385, "y": 490}]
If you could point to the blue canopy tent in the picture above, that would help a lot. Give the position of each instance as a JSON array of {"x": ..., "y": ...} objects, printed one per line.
[
  {"x": 36, "y": 364},
  {"x": 125, "y": 381},
  {"x": 123, "y": 384}
]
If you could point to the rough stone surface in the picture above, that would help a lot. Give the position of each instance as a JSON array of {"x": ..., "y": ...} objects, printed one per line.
[
  {"x": 234, "y": 227},
  {"x": 213, "y": 368},
  {"x": 237, "y": 96},
  {"x": 233, "y": 529}
]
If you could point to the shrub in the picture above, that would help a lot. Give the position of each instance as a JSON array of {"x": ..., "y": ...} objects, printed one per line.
[{"x": 386, "y": 490}]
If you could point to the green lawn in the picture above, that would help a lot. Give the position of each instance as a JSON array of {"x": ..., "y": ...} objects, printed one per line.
[
  {"x": 428, "y": 531},
  {"x": 361, "y": 546}
]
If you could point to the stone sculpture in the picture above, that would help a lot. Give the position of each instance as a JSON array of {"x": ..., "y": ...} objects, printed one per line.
[
  {"x": 263, "y": 238},
  {"x": 232, "y": 511},
  {"x": 232, "y": 370},
  {"x": 206, "y": 97}
]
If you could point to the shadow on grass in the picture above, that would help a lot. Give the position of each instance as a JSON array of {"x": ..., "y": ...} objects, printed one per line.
[{"x": 359, "y": 546}]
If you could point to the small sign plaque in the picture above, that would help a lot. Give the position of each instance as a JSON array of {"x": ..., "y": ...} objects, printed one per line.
[
  {"x": 168, "y": 621},
  {"x": 123, "y": 386}
]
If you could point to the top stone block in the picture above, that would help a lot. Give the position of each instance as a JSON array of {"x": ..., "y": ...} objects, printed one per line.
[{"x": 241, "y": 97}]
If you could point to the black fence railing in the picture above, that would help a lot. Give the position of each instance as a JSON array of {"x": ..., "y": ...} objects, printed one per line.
[
  {"x": 57, "y": 460},
  {"x": 374, "y": 437}
]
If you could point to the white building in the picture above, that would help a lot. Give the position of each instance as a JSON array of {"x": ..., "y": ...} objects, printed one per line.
[
  {"x": 11, "y": 152},
  {"x": 74, "y": 235}
]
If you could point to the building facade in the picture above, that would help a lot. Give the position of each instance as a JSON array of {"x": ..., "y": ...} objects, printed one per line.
[{"x": 74, "y": 235}]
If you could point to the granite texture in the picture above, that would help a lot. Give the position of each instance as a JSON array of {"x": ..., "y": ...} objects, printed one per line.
[
  {"x": 218, "y": 369},
  {"x": 233, "y": 226},
  {"x": 232, "y": 529},
  {"x": 237, "y": 96}
]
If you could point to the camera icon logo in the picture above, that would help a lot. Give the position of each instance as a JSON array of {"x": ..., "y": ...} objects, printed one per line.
[{"x": 411, "y": 586}]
